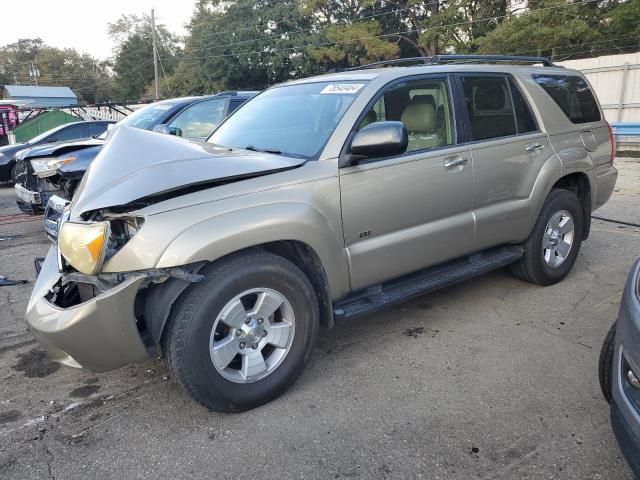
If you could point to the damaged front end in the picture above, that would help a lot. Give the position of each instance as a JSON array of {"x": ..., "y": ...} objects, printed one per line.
[
  {"x": 102, "y": 298},
  {"x": 107, "y": 320},
  {"x": 34, "y": 192}
]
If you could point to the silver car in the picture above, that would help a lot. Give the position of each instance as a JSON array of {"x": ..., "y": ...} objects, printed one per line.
[{"x": 318, "y": 199}]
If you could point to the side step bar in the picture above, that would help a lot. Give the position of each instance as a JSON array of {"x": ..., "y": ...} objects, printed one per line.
[{"x": 425, "y": 281}]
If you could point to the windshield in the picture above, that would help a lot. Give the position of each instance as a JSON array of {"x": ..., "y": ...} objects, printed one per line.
[
  {"x": 149, "y": 116},
  {"x": 294, "y": 120}
]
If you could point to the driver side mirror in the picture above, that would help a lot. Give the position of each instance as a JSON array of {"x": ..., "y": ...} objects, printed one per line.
[
  {"x": 167, "y": 130},
  {"x": 379, "y": 139}
]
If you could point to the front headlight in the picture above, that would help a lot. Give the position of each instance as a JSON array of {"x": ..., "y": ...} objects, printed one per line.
[
  {"x": 46, "y": 167},
  {"x": 83, "y": 245}
]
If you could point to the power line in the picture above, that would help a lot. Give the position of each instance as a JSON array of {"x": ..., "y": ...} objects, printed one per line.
[{"x": 381, "y": 35}]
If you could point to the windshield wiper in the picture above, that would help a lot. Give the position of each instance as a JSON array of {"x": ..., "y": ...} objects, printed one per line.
[{"x": 275, "y": 151}]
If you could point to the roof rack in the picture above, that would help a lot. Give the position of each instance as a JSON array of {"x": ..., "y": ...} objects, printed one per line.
[{"x": 443, "y": 59}]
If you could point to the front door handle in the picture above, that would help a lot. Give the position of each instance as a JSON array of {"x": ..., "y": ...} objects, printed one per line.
[
  {"x": 456, "y": 162},
  {"x": 534, "y": 147}
]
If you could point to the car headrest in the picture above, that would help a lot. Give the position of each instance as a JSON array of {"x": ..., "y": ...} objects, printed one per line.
[
  {"x": 424, "y": 99},
  {"x": 419, "y": 118}
]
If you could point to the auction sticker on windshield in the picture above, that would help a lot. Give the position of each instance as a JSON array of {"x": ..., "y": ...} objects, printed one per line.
[{"x": 342, "y": 88}]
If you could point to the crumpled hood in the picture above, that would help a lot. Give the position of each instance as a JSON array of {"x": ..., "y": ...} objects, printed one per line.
[
  {"x": 135, "y": 164},
  {"x": 55, "y": 149}
]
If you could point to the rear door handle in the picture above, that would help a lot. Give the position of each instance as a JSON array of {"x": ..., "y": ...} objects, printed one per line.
[
  {"x": 534, "y": 147},
  {"x": 456, "y": 162}
]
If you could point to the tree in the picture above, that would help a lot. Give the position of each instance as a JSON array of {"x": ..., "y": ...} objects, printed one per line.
[
  {"x": 243, "y": 44},
  {"x": 562, "y": 30},
  {"x": 133, "y": 60},
  {"x": 86, "y": 76}
]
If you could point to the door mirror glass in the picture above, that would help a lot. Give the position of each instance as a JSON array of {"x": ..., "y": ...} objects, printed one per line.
[
  {"x": 167, "y": 130},
  {"x": 380, "y": 139}
]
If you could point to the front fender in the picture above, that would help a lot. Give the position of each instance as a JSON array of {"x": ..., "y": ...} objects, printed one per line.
[{"x": 221, "y": 235}]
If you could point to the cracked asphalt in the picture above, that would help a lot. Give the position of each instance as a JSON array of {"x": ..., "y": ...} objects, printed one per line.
[{"x": 490, "y": 379}]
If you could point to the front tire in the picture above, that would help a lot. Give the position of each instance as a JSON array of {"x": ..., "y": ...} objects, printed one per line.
[
  {"x": 553, "y": 246},
  {"x": 241, "y": 337},
  {"x": 605, "y": 364}
]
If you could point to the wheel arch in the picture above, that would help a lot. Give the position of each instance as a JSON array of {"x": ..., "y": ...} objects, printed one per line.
[
  {"x": 579, "y": 184},
  {"x": 552, "y": 176},
  {"x": 157, "y": 302}
]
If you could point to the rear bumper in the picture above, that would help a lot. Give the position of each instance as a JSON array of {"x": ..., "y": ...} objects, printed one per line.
[
  {"x": 97, "y": 335},
  {"x": 604, "y": 179}
]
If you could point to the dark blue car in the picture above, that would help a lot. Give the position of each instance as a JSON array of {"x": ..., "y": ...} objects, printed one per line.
[
  {"x": 620, "y": 371},
  {"x": 56, "y": 170},
  {"x": 63, "y": 133}
]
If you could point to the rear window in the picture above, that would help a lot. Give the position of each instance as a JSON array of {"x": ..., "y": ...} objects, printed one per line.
[{"x": 573, "y": 96}]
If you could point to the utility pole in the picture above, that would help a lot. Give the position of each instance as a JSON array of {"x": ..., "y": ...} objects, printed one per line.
[
  {"x": 155, "y": 53},
  {"x": 34, "y": 71}
]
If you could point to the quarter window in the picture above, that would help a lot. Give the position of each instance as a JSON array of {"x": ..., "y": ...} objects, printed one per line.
[
  {"x": 573, "y": 96},
  {"x": 489, "y": 107},
  {"x": 423, "y": 107}
]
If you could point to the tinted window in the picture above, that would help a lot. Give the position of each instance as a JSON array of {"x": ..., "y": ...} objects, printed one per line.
[
  {"x": 44, "y": 137},
  {"x": 98, "y": 128},
  {"x": 79, "y": 130},
  {"x": 199, "y": 120},
  {"x": 234, "y": 104},
  {"x": 489, "y": 106},
  {"x": 423, "y": 107},
  {"x": 524, "y": 117},
  {"x": 573, "y": 96},
  {"x": 294, "y": 119}
]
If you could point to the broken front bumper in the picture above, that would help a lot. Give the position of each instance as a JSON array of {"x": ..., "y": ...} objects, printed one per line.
[{"x": 97, "y": 335}]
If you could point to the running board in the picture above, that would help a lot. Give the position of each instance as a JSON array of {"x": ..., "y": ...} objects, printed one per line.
[{"x": 425, "y": 281}]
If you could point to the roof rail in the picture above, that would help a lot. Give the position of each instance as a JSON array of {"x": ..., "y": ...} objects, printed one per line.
[{"x": 443, "y": 59}]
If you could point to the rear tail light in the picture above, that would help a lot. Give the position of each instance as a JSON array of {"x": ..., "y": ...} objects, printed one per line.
[{"x": 612, "y": 141}]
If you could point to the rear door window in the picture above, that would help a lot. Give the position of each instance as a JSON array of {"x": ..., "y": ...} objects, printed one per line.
[
  {"x": 573, "y": 95},
  {"x": 489, "y": 107}
]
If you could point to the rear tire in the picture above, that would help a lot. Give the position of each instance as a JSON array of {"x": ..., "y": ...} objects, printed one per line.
[
  {"x": 220, "y": 312},
  {"x": 546, "y": 266},
  {"x": 605, "y": 365}
]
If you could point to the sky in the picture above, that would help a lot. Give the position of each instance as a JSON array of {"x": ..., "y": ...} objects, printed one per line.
[{"x": 82, "y": 24}]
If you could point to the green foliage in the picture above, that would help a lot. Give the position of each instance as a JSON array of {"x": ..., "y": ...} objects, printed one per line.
[
  {"x": 354, "y": 44},
  {"x": 244, "y": 44},
  {"x": 541, "y": 32},
  {"x": 624, "y": 23},
  {"x": 133, "y": 60},
  {"x": 251, "y": 44},
  {"x": 85, "y": 75}
]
